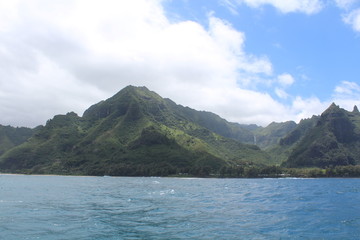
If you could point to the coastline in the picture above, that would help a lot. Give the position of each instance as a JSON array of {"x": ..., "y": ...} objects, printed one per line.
[{"x": 184, "y": 177}]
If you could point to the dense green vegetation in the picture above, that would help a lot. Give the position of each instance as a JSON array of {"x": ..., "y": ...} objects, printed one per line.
[
  {"x": 138, "y": 133},
  {"x": 333, "y": 141},
  {"x": 270, "y": 136},
  {"x": 280, "y": 152},
  {"x": 11, "y": 137},
  {"x": 281, "y": 172}
]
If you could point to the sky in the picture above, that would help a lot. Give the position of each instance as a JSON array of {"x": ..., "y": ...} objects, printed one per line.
[{"x": 249, "y": 61}]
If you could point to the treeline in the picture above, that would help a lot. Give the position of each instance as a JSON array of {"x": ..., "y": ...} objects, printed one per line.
[
  {"x": 278, "y": 172},
  {"x": 246, "y": 171}
]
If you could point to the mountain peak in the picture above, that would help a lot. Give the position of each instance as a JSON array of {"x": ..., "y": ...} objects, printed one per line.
[
  {"x": 129, "y": 98},
  {"x": 331, "y": 110},
  {"x": 331, "y": 113},
  {"x": 130, "y": 89},
  {"x": 330, "y": 143},
  {"x": 141, "y": 92},
  {"x": 135, "y": 132},
  {"x": 355, "y": 110},
  {"x": 333, "y": 106},
  {"x": 135, "y": 88}
]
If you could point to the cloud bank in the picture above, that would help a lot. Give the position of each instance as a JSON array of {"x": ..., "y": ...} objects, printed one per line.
[
  {"x": 351, "y": 15},
  {"x": 64, "y": 56},
  {"x": 353, "y": 19}
]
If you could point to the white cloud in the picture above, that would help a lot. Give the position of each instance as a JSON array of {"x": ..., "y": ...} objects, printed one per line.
[
  {"x": 347, "y": 88},
  {"x": 32, "y": 96},
  {"x": 245, "y": 106},
  {"x": 305, "y": 108},
  {"x": 347, "y": 94},
  {"x": 64, "y": 56},
  {"x": 281, "y": 93},
  {"x": 229, "y": 4},
  {"x": 284, "y": 6},
  {"x": 345, "y": 4},
  {"x": 285, "y": 79},
  {"x": 60, "y": 56},
  {"x": 353, "y": 19}
]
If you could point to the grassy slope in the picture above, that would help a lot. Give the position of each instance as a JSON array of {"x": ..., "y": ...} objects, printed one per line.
[
  {"x": 270, "y": 135},
  {"x": 11, "y": 137}
]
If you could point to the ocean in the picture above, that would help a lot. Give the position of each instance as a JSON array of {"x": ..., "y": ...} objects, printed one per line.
[{"x": 69, "y": 207}]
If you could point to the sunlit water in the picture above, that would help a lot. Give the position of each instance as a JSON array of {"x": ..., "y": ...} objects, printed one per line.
[{"x": 54, "y": 207}]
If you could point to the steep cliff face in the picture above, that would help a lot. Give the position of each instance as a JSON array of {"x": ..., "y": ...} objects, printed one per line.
[
  {"x": 333, "y": 141},
  {"x": 280, "y": 152}
]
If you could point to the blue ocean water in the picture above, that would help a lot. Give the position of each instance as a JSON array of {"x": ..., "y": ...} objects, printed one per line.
[{"x": 58, "y": 207}]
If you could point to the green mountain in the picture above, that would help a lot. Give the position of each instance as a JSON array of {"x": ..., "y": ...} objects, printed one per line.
[
  {"x": 135, "y": 132},
  {"x": 216, "y": 124},
  {"x": 333, "y": 141},
  {"x": 11, "y": 137},
  {"x": 280, "y": 152},
  {"x": 269, "y": 136}
]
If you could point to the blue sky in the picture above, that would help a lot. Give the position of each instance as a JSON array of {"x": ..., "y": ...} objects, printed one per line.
[
  {"x": 250, "y": 61},
  {"x": 319, "y": 49}
]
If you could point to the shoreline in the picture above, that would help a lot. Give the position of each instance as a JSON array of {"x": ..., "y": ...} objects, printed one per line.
[
  {"x": 179, "y": 177},
  {"x": 45, "y": 175}
]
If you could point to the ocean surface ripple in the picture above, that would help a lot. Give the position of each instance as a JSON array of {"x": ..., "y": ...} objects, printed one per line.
[{"x": 58, "y": 207}]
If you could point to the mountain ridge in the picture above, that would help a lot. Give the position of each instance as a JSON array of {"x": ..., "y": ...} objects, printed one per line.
[
  {"x": 137, "y": 132},
  {"x": 333, "y": 141},
  {"x": 135, "y": 128}
]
